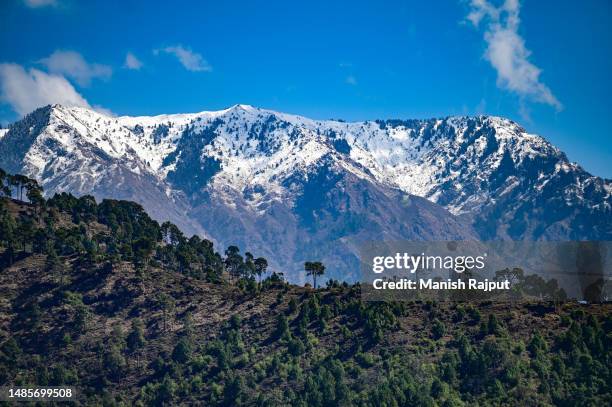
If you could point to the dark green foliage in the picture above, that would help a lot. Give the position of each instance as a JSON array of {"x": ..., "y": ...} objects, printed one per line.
[
  {"x": 114, "y": 363},
  {"x": 438, "y": 329},
  {"x": 182, "y": 351},
  {"x": 136, "y": 338},
  {"x": 133, "y": 236},
  {"x": 292, "y": 305},
  {"x": 233, "y": 392},
  {"x": 493, "y": 325},
  {"x": 102, "y": 297},
  {"x": 314, "y": 269},
  {"x": 282, "y": 327}
]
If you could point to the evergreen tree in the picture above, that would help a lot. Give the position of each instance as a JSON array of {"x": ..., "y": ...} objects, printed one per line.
[
  {"x": 20, "y": 182},
  {"x": 34, "y": 192},
  {"x": 233, "y": 261},
  {"x": 314, "y": 269},
  {"x": 282, "y": 327},
  {"x": 136, "y": 338},
  {"x": 182, "y": 351},
  {"x": 261, "y": 265}
]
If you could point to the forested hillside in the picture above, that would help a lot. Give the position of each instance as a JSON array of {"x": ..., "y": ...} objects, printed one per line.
[{"x": 99, "y": 296}]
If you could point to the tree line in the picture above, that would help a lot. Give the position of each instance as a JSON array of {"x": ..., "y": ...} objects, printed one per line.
[{"x": 134, "y": 237}]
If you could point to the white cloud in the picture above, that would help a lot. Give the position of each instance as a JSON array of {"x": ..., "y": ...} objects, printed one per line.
[
  {"x": 351, "y": 80},
  {"x": 507, "y": 53},
  {"x": 192, "y": 61},
  {"x": 103, "y": 110},
  {"x": 73, "y": 65},
  {"x": 25, "y": 90},
  {"x": 131, "y": 62},
  {"x": 40, "y": 3}
]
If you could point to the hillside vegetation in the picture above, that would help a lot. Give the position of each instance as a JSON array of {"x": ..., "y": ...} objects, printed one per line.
[{"x": 101, "y": 297}]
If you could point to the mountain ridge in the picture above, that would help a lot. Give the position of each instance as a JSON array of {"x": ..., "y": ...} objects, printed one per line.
[{"x": 255, "y": 171}]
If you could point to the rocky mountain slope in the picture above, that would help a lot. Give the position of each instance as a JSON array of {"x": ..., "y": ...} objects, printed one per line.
[{"x": 294, "y": 188}]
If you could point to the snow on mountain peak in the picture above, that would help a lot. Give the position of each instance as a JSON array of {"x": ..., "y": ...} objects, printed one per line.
[
  {"x": 454, "y": 161},
  {"x": 282, "y": 184}
]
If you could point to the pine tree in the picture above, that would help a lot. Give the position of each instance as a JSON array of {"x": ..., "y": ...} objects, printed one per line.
[
  {"x": 136, "y": 338},
  {"x": 314, "y": 269},
  {"x": 261, "y": 265}
]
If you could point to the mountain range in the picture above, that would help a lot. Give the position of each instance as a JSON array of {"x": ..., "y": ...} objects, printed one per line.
[{"x": 295, "y": 189}]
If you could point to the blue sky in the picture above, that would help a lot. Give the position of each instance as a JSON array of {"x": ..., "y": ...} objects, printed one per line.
[{"x": 545, "y": 64}]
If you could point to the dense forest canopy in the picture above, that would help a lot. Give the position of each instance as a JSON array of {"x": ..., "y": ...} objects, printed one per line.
[{"x": 132, "y": 235}]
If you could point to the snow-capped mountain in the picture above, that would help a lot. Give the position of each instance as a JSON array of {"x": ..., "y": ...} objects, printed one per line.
[{"x": 294, "y": 189}]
